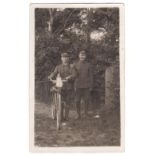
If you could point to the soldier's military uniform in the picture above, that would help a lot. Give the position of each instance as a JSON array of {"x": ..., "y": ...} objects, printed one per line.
[
  {"x": 83, "y": 84},
  {"x": 65, "y": 71}
]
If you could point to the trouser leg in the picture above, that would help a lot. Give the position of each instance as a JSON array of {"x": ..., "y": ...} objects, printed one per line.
[
  {"x": 86, "y": 97},
  {"x": 78, "y": 102},
  {"x": 67, "y": 104},
  {"x": 67, "y": 101},
  {"x": 62, "y": 111},
  {"x": 78, "y": 109},
  {"x": 63, "y": 100},
  {"x": 66, "y": 112},
  {"x": 86, "y": 108}
]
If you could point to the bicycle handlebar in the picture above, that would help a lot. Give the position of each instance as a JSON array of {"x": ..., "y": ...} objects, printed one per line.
[{"x": 54, "y": 81}]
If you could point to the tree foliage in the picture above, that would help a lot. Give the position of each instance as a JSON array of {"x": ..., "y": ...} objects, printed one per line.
[{"x": 71, "y": 29}]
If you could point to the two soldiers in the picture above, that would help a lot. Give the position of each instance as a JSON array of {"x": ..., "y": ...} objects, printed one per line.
[{"x": 79, "y": 78}]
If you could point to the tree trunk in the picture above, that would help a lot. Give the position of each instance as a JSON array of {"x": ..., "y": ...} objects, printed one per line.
[
  {"x": 50, "y": 22},
  {"x": 88, "y": 29}
]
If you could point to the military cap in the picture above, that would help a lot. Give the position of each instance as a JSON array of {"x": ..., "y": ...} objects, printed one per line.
[
  {"x": 82, "y": 52},
  {"x": 64, "y": 55}
]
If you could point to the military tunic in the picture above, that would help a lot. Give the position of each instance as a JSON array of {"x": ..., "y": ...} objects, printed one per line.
[
  {"x": 65, "y": 71},
  {"x": 84, "y": 78}
]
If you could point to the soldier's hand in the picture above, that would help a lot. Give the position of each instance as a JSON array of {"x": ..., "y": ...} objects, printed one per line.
[
  {"x": 67, "y": 78},
  {"x": 49, "y": 78}
]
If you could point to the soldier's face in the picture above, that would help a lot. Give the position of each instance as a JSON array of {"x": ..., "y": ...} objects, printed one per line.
[
  {"x": 82, "y": 57},
  {"x": 64, "y": 59}
]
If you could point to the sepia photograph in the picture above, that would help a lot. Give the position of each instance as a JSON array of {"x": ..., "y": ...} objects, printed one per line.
[{"x": 76, "y": 77}]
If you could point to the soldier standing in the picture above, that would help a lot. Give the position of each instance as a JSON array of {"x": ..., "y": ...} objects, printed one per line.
[
  {"x": 83, "y": 83},
  {"x": 66, "y": 72}
]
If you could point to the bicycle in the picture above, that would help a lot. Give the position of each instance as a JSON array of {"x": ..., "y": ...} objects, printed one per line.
[{"x": 57, "y": 103}]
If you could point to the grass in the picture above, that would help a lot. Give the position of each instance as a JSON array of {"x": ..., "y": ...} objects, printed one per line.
[{"x": 103, "y": 131}]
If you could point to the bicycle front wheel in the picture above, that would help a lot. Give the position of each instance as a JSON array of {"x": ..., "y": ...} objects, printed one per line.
[
  {"x": 53, "y": 106},
  {"x": 58, "y": 111}
]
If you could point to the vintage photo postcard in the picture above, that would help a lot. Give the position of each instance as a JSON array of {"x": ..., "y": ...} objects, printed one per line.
[{"x": 76, "y": 77}]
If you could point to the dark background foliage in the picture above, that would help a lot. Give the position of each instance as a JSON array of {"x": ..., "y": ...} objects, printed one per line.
[{"x": 70, "y": 30}]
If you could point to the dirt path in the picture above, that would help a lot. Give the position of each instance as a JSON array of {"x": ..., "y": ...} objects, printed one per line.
[{"x": 103, "y": 131}]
